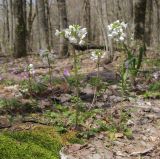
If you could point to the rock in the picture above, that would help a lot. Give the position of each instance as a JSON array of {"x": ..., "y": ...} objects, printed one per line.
[
  {"x": 86, "y": 97},
  {"x": 65, "y": 98},
  {"x": 4, "y": 122},
  {"x": 87, "y": 93},
  {"x": 100, "y": 104},
  {"x": 115, "y": 99},
  {"x": 106, "y": 76}
]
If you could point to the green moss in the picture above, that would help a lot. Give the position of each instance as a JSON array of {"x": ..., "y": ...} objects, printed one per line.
[{"x": 39, "y": 143}]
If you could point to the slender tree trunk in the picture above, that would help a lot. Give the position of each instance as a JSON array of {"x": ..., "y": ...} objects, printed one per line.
[
  {"x": 148, "y": 26},
  {"x": 7, "y": 22},
  {"x": 31, "y": 18},
  {"x": 20, "y": 29},
  {"x": 43, "y": 24},
  {"x": 63, "y": 24},
  {"x": 139, "y": 19},
  {"x": 38, "y": 27},
  {"x": 158, "y": 19},
  {"x": 87, "y": 18},
  {"x": 50, "y": 31},
  {"x": 11, "y": 19}
]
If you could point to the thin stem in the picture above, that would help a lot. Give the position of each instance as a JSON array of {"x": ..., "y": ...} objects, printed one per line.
[
  {"x": 96, "y": 87},
  {"x": 50, "y": 71},
  {"x": 77, "y": 84},
  {"x": 29, "y": 81}
]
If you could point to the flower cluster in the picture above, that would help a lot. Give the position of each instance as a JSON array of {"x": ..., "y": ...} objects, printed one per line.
[
  {"x": 97, "y": 54},
  {"x": 31, "y": 69},
  {"x": 116, "y": 31},
  {"x": 46, "y": 55},
  {"x": 75, "y": 34}
]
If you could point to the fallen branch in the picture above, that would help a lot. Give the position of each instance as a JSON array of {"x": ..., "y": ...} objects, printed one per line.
[{"x": 88, "y": 47}]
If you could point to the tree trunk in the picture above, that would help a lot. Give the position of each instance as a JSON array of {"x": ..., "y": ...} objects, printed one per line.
[
  {"x": 43, "y": 25},
  {"x": 87, "y": 18},
  {"x": 50, "y": 30},
  {"x": 11, "y": 21},
  {"x": 148, "y": 26},
  {"x": 139, "y": 19},
  {"x": 20, "y": 29},
  {"x": 63, "y": 24},
  {"x": 31, "y": 18}
]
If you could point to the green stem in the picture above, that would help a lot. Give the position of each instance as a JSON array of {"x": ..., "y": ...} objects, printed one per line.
[
  {"x": 96, "y": 88},
  {"x": 29, "y": 81},
  {"x": 50, "y": 71},
  {"x": 77, "y": 84}
]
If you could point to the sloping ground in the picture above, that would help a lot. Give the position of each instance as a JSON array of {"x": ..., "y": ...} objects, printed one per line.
[
  {"x": 145, "y": 143},
  {"x": 144, "y": 122}
]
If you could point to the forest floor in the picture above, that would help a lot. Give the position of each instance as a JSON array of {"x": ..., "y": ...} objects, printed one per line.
[{"x": 133, "y": 130}]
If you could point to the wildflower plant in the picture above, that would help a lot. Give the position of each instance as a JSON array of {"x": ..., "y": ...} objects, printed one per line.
[
  {"x": 132, "y": 63},
  {"x": 30, "y": 74},
  {"x": 97, "y": 55},
  {"x": 75, "y": 34},
  {"x": 47, "y": 57}
]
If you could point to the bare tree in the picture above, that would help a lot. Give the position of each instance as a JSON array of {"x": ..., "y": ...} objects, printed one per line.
[
  {"x": 20, "y": 29},
  {"x": 43, "y": 25},
  {"x": 87, "y": 17},
  {"x": 139, "y": 19},
  {"x": 11, "y": 24},
  {"x": 31, "y": 18},
  {"x": 62, "y": 11},
  {"x": 149, "y": 20}
]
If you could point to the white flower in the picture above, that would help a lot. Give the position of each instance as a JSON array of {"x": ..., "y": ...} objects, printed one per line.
[
  {"x": 109, "y": 27},
  {"x": 120, "y": 30},
  {"x": 121, "y": 38},
  {"x": 94, "y": 57},
  {"x": 67, "y": 33},
  {"x": 82, "y": 42},
  {"x": 71, "y": 27},
  {"x": 73, "y": 40},
  {"x": 116, "y": 31},
  {"x": 82, "y": 33},
  {"x": 110, "y": 35},
  {"x": 57, "y": 33},
  {"x": 30, "y": 66},
  {"x": 97, "y": 54},
  {"x": 31, "y": 69},
  {"x": 117, "y": 21},
  {"x": 124, "y": 25}
]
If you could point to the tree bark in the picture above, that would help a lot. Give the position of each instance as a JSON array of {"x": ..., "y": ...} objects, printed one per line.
[
  {"x": 43, "y": 24},
  {"x": 148, "y": 26},
  {"x": 139, "y": 19},
  {"x": 20, "y": 29},
  {"x": 87, "y": 18},
  {"x": 62, "y": 11}
]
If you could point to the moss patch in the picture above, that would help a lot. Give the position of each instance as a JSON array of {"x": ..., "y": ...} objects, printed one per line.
[{"x": 38, "y": 143}]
